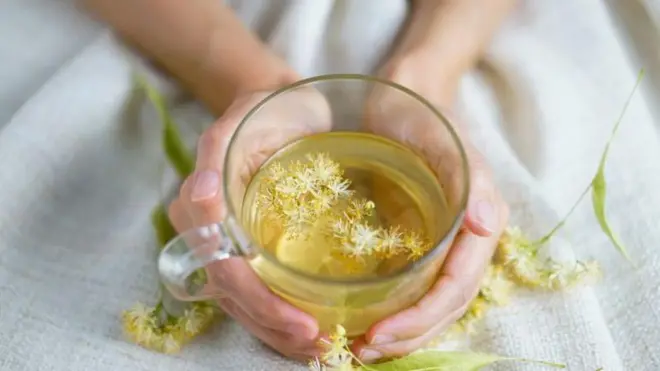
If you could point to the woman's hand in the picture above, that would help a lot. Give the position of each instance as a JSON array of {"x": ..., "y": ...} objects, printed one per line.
[
  {"x": 391, "y": 114},
  {"x": 200, "y": 202}
]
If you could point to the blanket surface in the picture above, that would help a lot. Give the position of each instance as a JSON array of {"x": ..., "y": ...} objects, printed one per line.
[{"x": 81, "y": 169}]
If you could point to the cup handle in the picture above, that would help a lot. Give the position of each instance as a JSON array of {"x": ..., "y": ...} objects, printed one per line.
[{"x": 190, "y": 251}]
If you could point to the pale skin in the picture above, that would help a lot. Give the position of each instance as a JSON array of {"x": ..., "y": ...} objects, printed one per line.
[{"x": 205, "y": 46}]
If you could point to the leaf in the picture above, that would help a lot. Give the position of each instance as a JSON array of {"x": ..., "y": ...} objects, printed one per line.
[
  {"x": 599, "y": 186},
  {"x": 175, "y": 150},
  {"x": 162, "y": 226},
  {"x": 434, "y": 360}
]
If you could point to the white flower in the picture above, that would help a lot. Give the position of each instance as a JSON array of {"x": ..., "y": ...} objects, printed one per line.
[
  {"x": 297, "y": 217},
  {"x": 495, "y": 286},
  {"x": 364, "y": 239},
  {"x": 288, "y": 187},
  {"x": 390, "y": 240},
  {"x": 192, "y": 321},
  {"x": 561, "y": 275},
  {"x": 526, "y": 268},
  {"x": 144, "y": 334},
  {"x": 170, "y": 344},
  {"x": 316, "y": 365},
  {"x": 276, "y": 172},
  {"x": 324, "y": 169},
  {"x": 340, "y": 187},
  {"x": 339, "y": 359},
  {"x": 307, "y": 182},
  {"x": 140, "y": 312}
]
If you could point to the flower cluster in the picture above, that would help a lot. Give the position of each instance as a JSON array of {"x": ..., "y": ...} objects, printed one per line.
[
  {"x": 358, "y": 239},
  {"x": 517, "y": 263},
  {"x": 337, "y": 356},
  {"x": 146, "y": 326},
  {"x": 305, "y": 194},
  {"x": 301, "y": 194},
  {"x": 520, "y": 258}
]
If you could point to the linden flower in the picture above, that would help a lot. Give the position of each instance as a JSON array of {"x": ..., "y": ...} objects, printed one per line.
[
  {"x": 139, "y": 324},
  {"x": 563, "y": 276},
  {"x": 276, "y": 172},
  {"x": 337, "y": 356},
  {"x": 171, "y": 344},
  {"x": 415, "y": 245},
  {"x": 495, "y": 287},
  {"x": 364, "y": 239},
  {"x": 302, "y": 193},
  {"x": 391, "y": 242},
  {"x": 195, "y": 320},
  {"x": 316, "y": 365},
  {"x": 359, "y": 209},
  {"x": 339, "y": 187},
  {"x": 324, "y": 168}
]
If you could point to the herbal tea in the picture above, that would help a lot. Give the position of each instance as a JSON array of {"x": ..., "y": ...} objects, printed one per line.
[{"x": 342, "y": 206}]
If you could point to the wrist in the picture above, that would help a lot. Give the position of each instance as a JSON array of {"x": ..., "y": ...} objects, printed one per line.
[
  {"x": 421, "y": 72},
  {"x": 230, "y": 69},
  {"x": 269, "y": 73}
]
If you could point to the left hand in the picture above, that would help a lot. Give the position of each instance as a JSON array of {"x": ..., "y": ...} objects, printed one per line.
[{"x": 471, "y": 252}]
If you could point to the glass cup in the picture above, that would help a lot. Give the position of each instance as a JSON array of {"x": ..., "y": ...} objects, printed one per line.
[{"x": 356, "y": 103}]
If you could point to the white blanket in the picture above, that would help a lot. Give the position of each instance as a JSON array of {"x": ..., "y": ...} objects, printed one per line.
[{"x": 81, "y": 170}]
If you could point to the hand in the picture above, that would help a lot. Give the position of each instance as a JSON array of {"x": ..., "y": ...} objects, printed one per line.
[
  {"x": 486, "y": 217},
  {"x": 200, "y": 202}
]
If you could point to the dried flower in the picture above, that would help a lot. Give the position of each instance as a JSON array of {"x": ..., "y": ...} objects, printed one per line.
[
  {"x": 495, "y": 286},
  {"x": 337, "y": 355},
  {"x": 304, "y": 194},
  {"x": 143, "y": 326}
]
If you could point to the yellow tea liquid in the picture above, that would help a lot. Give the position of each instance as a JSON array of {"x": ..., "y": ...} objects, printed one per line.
[{"x": 405, "y": 193}]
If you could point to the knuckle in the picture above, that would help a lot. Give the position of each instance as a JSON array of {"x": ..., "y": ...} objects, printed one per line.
[
  {"x": 211, "y": 137},
  {"x": 223, "y": 277},
  {"x": 184, "y": 190},
  {"x": 271, "y": 312},
  {"x": 206, "y": 206}
]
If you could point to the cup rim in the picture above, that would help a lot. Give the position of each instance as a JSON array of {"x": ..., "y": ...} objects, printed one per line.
[{"x": 451, "y": 232}]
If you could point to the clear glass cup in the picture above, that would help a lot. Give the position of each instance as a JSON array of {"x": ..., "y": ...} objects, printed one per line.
[{"x": 356, "y": 104}]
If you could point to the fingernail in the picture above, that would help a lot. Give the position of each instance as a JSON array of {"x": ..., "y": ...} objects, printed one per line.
[
  {"x": 485, "y": 214},
  {"x": 205, "y": 186},
  {"x": 382, "y": 339},
  {"x": 369, "y": 355}
]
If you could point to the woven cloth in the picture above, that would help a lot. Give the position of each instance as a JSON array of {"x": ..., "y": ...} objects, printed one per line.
[{"x": 82, "y": 169}]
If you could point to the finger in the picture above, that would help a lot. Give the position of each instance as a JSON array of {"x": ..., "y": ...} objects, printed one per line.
[
  {"x": 451, "y": 294},
  {"x": 291, "y": 116},
  {"x": 482, "y": 214},
  {"x": 213, "y": 143},
  {"x": 239, "y": 281},
  {"x": 179, "y": 216},
  {"x": 202, "y": 198},
  {"x": 235, "y": 278},
  {"x": 291, "y": 345},
  {"x": 371, "y": 353}
]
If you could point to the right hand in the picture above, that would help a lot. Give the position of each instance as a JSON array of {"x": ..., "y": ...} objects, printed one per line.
[{"x": 283, "y": 327}]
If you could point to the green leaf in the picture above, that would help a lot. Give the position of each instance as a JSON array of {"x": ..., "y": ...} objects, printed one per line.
[
  {"x": 599, "y": 186},
  {"x": 162, "y": 226},
  {"x": 175, "y": 150},
  {"x": 433, "y": 360}
]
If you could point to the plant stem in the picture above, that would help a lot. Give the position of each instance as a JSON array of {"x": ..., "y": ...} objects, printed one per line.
[{"x": 554, "y": 230}]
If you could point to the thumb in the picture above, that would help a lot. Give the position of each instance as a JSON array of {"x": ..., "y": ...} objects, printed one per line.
[{"x": 482, "y": 216}]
